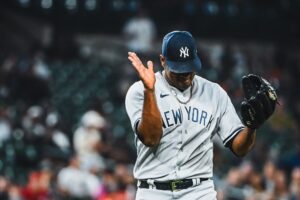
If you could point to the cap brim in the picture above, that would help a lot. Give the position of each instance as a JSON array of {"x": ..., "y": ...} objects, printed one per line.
[{"x": 184, "y": 67}]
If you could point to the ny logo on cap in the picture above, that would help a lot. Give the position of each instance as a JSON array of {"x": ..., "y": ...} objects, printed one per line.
[{"x": 184, "y": 52}]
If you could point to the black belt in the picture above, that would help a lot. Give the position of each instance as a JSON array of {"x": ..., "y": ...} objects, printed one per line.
[{"x": 171, "y": 185}]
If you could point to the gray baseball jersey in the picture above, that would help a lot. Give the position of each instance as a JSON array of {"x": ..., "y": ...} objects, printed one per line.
[{"x": 190, "y": 120}]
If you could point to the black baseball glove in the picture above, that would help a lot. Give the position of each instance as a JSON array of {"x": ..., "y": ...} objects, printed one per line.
[{"x": 260, "y": 101}]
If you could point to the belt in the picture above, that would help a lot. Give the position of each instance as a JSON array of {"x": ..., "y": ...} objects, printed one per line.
[{"x": 171, "y": 185}]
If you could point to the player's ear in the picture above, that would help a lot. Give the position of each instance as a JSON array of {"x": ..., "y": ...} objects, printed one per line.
[{"x": 162, "y": 60}]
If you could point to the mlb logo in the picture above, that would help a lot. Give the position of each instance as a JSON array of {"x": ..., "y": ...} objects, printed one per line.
[{"x": 184, "y": 52}]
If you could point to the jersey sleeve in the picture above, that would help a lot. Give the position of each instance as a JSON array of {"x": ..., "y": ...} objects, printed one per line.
[
  {"x": 134, "y": 104},
  {"x": 229, "y": 122}
]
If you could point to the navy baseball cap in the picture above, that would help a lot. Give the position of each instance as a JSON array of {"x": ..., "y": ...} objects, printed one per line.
[{"x": 180, "y": 50}]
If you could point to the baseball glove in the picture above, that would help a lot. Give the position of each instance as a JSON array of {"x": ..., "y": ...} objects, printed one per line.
[{"x": 260, "y": 101}]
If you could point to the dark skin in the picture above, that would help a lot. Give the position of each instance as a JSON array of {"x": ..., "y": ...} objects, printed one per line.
[
  {"x": 181, "y": 81},
  {"x": 150, "y": 127}
]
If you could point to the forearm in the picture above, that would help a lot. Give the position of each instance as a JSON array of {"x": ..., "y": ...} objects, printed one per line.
[
  {"x": 244, "y": 141},
  {"x": 150, "y": 126}
]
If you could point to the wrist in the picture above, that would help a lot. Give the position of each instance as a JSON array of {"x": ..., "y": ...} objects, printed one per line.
[{"x": 149, "y": 90}]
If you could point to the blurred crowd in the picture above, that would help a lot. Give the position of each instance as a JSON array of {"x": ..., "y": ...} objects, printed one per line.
[
  {"x": 47, "y": 153},
  {"x": 269, "y": 183},
  {"x": 44, "y": 158},
  {"x": 40, "y": 161}
]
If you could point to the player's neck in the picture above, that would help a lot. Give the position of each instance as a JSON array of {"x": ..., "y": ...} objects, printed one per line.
[{"x": 172, "y": 90}]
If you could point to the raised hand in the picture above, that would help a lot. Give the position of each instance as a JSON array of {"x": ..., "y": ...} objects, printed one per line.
[{"x": 146, "y": 74}]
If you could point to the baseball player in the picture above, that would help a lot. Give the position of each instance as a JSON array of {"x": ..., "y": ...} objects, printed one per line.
[{"x": 176, "y": 113}]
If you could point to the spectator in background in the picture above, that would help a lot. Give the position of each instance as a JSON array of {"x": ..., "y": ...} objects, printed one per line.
[
  {"x": 37, "y": 187},
  {"x": 3, "y": 188},
  {"x": 74, "y": 182},
  {"x": 126, "y": 181},
  {"x": 257, "y": 190},
  {"x": 56, "y": 142},
  {"x": 232, "y": 188},
  {"x": 9, "y": 191},
  {"x": 140, "y": 32},
  {"x": 32, "y": 122},
  {"x": 88, "y": 141},
  {"x": 14, "y": 192},
  {"x": 269, "y": 170},
  {"x": 110, "y": 189},
  {"x": 280, "y": 191},
  {"x": 295, "y": 184},
  {"x": 118, "y": 184},
  {"x": 246, "y": 169}
]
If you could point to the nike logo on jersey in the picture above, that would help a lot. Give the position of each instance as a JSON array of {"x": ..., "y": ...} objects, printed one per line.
[{"x": 163, "y": 95}]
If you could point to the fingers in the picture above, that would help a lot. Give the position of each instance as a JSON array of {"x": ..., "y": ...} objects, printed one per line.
[
  {"x": 150, "y": 65},
  {"x": 133, "y": 57},
  {"x": 258, "y": 109},
  {"x": 252, "y": 113},
  {"x": 248, "y": 114},
  {"x": 137, "y": 63},
  {"x": 256, "y": 81},
  {"x": 135, "y": 60},
  {"x": 267, "y": 106},
  {"x": 248, "y": 87}
]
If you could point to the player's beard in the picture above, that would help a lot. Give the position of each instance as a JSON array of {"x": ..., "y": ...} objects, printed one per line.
[
  {"x": 183, "y": 85},
  {"x": 180, "y": 81},
  {"x": 183, "y": 82}
]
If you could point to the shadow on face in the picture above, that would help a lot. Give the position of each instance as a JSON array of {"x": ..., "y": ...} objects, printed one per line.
[{"x": 180, "y": 80}]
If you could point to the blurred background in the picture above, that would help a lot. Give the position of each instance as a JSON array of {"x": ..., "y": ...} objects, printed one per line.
[{"x": 64, "y": 73}]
